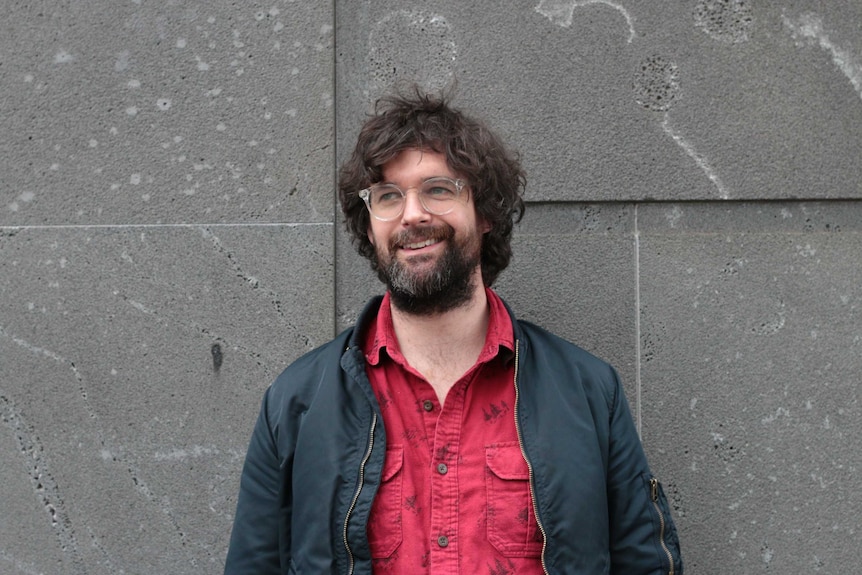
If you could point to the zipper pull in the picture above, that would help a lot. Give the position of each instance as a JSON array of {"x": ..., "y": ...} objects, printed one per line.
[{"x": 653, "y": 484}]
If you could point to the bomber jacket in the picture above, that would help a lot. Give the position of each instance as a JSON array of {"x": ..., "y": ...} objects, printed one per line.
[{"x": 316, "y": 456}]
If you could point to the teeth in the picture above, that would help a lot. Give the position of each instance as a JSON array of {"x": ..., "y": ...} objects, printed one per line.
[{"x": 419, "y": 245}]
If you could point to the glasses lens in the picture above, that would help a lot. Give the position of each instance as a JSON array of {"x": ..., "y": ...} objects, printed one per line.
[
  {"x": 439, "y": 195},
  {"x": 385, "y": 200}
]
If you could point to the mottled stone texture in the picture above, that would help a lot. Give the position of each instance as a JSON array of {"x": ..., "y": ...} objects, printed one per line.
[{"x": 169, "y": 240}]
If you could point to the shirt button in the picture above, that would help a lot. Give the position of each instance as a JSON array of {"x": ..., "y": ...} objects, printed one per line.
[
  {"x": 443, "y": 541},
  {"x": 442, "y": 469},
  {"x": 427, "y": 405}
]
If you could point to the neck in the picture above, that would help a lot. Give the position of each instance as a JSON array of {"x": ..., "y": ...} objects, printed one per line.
[
  {"x": 445, "y": 328},
  {"x": 443, "y": 346}
]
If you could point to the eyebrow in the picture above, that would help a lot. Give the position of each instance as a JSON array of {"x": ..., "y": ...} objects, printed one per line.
[{"x": 391, "y": 183}]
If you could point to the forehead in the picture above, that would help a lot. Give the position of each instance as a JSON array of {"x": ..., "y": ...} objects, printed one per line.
[{"x": 415, "y": 165}]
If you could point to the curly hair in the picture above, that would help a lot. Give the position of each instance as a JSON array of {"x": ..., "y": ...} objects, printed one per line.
[{"x": 421, "y": 121}]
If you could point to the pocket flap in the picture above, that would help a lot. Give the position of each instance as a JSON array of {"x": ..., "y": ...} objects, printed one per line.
[
  {"x": 506, "y": 461},
  {"x": 393, "y": 462}
]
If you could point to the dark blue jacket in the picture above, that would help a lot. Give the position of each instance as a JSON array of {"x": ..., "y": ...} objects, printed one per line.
[{"x": 316, "y": 456}]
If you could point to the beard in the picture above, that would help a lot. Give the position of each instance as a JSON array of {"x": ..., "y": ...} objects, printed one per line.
[{"x": 448, "y": 283}]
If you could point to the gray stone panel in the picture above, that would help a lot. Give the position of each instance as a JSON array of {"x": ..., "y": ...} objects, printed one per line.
[
  {"x": 134, "y": 361},
  {"x": 142, "y": 112},
  {"x": 751, "y": 355},
  {"x": 612, "y": 101}
]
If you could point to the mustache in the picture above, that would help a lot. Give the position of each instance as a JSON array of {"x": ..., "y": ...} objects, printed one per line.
[{"x": 413, "y": 235}]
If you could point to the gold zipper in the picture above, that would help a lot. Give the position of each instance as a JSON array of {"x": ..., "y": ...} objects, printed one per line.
[
  {"x": 529, "y": 465},
  {"x": 358, "y": 490},
  {"x": 653, "y": 484}
]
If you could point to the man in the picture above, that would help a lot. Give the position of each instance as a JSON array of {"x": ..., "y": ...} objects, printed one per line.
[{"x": 441, "y": 435}]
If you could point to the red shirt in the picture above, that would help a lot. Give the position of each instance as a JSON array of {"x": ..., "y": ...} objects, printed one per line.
[{"x": 455, "y": 496}]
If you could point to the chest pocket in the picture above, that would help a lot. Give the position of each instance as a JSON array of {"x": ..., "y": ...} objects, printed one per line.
[
  {"x": 384, "y": 525},
  {"x": 512, "y": 527}
]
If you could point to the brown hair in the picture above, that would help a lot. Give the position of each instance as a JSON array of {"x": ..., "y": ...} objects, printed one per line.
[{"x": 420, "y": 121}]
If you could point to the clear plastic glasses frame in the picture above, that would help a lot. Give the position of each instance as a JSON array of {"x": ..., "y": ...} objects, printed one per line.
[{"x": 438, "y": 196}]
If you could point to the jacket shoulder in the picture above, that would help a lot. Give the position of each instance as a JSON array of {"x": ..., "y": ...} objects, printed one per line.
[
  {"x": 571, "y": 365},
  {"x": 541, "y": 340},
  {"x": 304, "y": 374}
]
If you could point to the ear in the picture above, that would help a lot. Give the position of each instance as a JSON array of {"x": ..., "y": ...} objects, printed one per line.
[
  {"x": 370, "y": 235},
  {"x": 484, "y": 225}
]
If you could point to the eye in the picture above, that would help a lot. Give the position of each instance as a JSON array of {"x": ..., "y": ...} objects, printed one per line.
[
  {"x": 387, "y": 195},
  {"x": 440, "y": 190}
]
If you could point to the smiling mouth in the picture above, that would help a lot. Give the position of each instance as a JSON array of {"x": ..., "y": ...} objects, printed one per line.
[
  {"x": 420, "y": 245},
  {"x": 415, "y": 240}
]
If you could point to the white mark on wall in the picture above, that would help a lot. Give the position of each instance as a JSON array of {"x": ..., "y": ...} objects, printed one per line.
[
  {"x": 772, "y": 417},
  {"x": 63, "y": 57},
  {"x": 701, "y": 161},
  {"x": 805, "y": 251},
  {"x": 122, "y": 62},
  {"x": 24, "y": 197},
  {"x": 195, "y": 452},
  {"x": 180, "y": 454},
  {"x": 33, "y": 348},
  {"x": 809, "y": 28},
  {"x": 250, "y": 280},
  {"x": 673, "y": 216},
  {"x": 140, "y": 307},
  {"x": 561, "y": 12}
]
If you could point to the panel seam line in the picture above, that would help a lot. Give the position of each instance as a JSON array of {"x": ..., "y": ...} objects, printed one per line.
[{"x": 638, "y": 394}]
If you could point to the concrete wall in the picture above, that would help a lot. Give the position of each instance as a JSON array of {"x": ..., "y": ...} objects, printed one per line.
[{"x": 169, "y": 240}]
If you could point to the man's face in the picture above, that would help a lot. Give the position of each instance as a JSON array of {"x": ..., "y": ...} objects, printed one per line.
[{"x": 430, "y": 263}]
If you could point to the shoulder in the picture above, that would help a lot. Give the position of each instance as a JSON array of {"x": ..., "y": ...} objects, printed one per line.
[
  {"x": 552, "y": 360},
  {"x": 332, "y": 373},
  {"x": 303, "y": 371},
  {"x": 540, "y": 341}
]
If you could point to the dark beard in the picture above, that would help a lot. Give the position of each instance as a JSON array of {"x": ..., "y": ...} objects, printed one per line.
[{"x": 450, "y": 284}]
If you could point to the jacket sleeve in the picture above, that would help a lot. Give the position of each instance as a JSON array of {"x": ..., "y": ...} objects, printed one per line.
[
  {"x": 260, "y": 533},
  {"x": 643, "y": 539}
]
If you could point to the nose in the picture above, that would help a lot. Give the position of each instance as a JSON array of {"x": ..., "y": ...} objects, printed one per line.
[{"x": 414, "y": 211}]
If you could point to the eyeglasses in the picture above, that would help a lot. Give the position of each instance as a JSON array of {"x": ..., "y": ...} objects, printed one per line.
[{"x": 438, "y": 196}]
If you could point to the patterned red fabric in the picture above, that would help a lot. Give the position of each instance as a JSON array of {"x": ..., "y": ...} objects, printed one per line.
[{"x": 455, "y": 496}]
